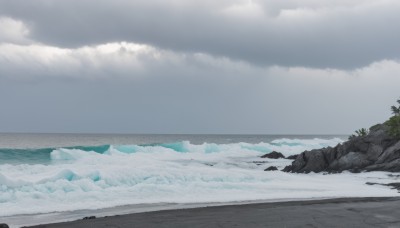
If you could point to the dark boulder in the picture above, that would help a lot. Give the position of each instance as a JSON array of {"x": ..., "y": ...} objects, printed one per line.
[
  {"x": 309, "y": 161},
  {"x": 377, "y": 151},
  {"x": 292, "y": 157},
  {"x": 374, "y": 152},
  {"x": 89, "y": 217},
  {"x": 390, "y": 154},
  {"x": 273, "y": 155},
  {"x": 350, "y": 161},
  {"x": 393, "y": 166},
  {"x": 3, "y": 225},
  {"x": 395, "y": 185},
  {"x": 271, "y": 168}
]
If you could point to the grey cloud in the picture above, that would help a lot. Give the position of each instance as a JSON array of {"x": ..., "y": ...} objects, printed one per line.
[
  {"x": 204, "y": 67},
  {"x": 321, "y": 35},
  {"x": 157, "y": 91}
]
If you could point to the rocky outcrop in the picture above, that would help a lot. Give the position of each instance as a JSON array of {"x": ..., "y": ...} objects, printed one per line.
[
  {"x": 271, "y": 168},
  {"x": 273, "y": 155},
  {"x": 3, "y": 225},
  {"x": 377, "y": 151},
  {"x": 292, "y": 157}
]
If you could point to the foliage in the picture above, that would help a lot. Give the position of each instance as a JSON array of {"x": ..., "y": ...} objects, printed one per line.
[
  {"x": 394, "y": 121},
  {"x": 396, "y": 110},
  {"x": 394, "y": 126},
  {"x": 360, "y": 132}
]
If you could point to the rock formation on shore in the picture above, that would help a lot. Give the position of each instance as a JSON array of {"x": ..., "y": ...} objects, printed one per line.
[
  {"x": 375, "y": 151},
  {"x": 273, "y": 155},
  {"x": 271, "y": 168}
]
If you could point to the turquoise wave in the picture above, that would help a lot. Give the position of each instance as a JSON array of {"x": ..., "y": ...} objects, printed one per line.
[
  {"x": 286, "y": 146},
  {"x": 39, "y": 156}
]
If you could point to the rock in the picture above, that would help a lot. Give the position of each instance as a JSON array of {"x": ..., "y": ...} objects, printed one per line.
[
  {"x": 330, "y": 154},
  {"x": 390, "y": 154},
  {"x": 314, "y": 161},
  {"x": 89, "y": 217},
  {"x": 259, "y": 162},
  {"x": 3, "y": 225},
  {"x": 271, "y": 168},
  {"x": 393, "y": 166},
  {"x": 273, "y": 155},
  {"x": 377, "y": 151},
  {"x": 292, "y": 157},
  {"x": 374, "y": 151},
  {"x": 288, "y": 169},
  {"x": 394, "y": 186},
  {"x": 349, "y": 161},
  {"x": 297, "y": 164},
  {"x": 356, "y": 170}
]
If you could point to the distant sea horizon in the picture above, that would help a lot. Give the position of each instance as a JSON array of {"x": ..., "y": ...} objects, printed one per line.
[{"x": 35, "y": 140}]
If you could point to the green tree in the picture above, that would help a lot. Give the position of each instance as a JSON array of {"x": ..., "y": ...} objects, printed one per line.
[
  {"x": 362, "y": 132},
  {"x": 396, "y": 110},
  {"x": 394, "y": 126},
  {"x": 394, "y": 121}
]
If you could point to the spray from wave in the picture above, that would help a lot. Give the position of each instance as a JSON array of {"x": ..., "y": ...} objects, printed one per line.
[{"x": 63, "y": 179}]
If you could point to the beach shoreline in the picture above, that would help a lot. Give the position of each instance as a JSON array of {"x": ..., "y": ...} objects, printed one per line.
[
  {"x": 22, "y": 220},
  {"x": 339, "y": 212}
]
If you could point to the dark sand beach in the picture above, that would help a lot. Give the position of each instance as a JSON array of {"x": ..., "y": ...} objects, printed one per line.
[{"x": 344, "y": 212}]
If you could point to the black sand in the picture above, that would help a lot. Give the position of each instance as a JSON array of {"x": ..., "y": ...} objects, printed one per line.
[{"x": 354, "y": 212}]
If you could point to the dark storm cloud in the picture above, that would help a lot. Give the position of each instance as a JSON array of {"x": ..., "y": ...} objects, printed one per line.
[{"x": 318, "y": 34}]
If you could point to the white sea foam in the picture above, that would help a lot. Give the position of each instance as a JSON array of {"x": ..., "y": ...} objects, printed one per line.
[{"x": 172, "y": 173}]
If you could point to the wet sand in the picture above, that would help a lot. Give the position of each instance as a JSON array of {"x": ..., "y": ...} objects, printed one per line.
[{"x": 344, "y": 212}]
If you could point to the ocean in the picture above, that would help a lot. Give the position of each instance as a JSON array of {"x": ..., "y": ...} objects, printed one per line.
[{"x": 56, "y": 173}]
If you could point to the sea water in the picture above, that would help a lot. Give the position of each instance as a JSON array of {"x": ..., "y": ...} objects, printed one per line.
[{"x": 48, "y": 173}]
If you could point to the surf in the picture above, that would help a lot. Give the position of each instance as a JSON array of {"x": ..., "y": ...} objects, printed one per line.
[{"x": 95, "y": 177}]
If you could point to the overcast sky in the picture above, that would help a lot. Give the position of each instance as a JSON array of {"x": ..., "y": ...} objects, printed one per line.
[{"x": 179, "y": 66}]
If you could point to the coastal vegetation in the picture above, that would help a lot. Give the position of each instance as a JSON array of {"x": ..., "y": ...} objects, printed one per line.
[
  {"x": 359, "y": 133},
  {"x": 394, "y": 121}
]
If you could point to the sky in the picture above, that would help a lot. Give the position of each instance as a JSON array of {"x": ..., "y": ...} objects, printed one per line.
[{"x": 198, "y": 67}]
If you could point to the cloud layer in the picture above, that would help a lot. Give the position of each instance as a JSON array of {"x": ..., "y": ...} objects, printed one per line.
[
  {"x": 197, "y": 67},
  {"x": 320, "y": 34}
]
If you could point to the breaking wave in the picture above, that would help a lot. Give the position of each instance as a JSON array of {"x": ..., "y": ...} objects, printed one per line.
[{"x": 63, "y": 179}]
